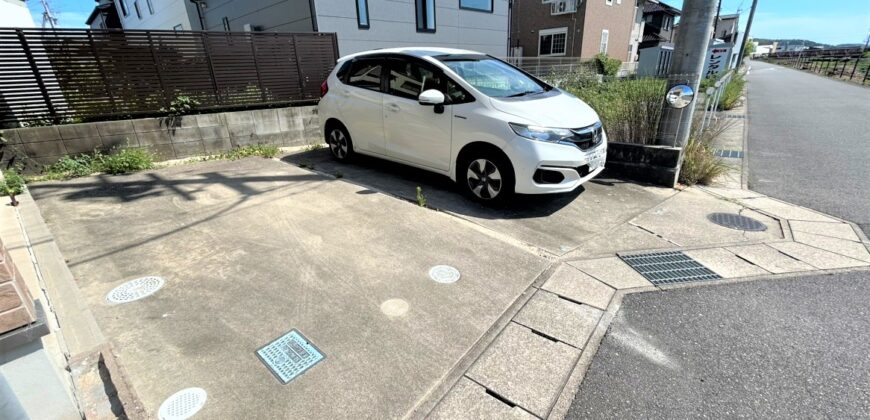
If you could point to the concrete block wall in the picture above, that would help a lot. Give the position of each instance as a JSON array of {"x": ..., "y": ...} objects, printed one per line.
[
  {"x": 185, "y": 136},
  {"x": 16, "y": 304}
]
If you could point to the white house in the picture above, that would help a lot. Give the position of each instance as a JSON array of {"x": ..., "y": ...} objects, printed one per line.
[{"x": 360, "y": 25}]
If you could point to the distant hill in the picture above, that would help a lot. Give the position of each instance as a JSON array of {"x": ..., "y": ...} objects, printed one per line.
[{"x": 808, "y": 43}]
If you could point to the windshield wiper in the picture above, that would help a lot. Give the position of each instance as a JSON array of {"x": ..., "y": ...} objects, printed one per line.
[{"x": 528, "y": 92}]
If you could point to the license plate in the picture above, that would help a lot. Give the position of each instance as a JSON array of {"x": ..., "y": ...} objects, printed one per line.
[{"x": 596, "y": 161}]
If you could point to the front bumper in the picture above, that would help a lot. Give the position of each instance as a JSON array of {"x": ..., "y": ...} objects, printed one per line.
[{"x": 547, "y": 168}]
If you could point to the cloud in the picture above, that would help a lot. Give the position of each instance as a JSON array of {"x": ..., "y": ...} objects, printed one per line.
[{"x": 829, "y": 29}]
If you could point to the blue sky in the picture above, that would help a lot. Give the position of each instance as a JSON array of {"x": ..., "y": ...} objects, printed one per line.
[{"x": 830, "y": 22}]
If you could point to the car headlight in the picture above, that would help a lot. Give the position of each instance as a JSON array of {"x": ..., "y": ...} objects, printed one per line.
[{"x": 542, "y": 133}]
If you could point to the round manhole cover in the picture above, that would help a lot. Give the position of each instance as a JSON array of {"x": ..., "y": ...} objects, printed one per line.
[
  {"x": 736, "y": 221},
  {"x": 135, "y": 289},
  {"x": 182, "y": 404},
  {"x": 444, "y": 274}
]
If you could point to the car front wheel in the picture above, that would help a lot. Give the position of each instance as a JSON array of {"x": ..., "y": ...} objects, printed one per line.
[{"x": 486, "y": 178}]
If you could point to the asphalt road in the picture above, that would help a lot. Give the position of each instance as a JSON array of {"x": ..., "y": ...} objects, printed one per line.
[
  {"x": 781, "y": 348},
  {"x": 809, "y": 141}
]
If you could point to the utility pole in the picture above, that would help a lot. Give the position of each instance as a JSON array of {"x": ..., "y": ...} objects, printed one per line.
[
  {"x": 47, "y": 17},
  {"x": 690, "y": 54},
  {"x": 746, "y": 34}
]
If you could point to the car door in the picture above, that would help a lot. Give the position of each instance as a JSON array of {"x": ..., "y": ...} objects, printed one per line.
[
  {"x": 363, "y": 109},
  {"x": 416, "y": 133}
]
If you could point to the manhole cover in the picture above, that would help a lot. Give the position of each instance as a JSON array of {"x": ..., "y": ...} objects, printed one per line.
[
  {"x": 668, "y": 267},
  {"x": 736, "y": 221},
  {"x": 444, "y": 274},
  {"x": 289, "y": 356},
  {"x": 394, "y": 307},
  {"x": 135, "y": 289},
  {"x": 182, "y": 404}
]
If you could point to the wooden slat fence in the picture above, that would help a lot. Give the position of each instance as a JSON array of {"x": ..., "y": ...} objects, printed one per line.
[{"x": 54, "y": 74}]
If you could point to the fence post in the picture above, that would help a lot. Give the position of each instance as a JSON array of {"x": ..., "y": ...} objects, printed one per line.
[
  {"x": 35, "y": 69},
  {"x": 102, "y": 71},
  {"x": 854, "y": 68},
  {"x": 866, "y": 73},
  {"x": 298, "y": 67},
  {"x": 257, "y": 67},
  {"x": 203, "y": 36},
  {"x": 166, "y": 101},
  {"x": 843, "y": 70}
]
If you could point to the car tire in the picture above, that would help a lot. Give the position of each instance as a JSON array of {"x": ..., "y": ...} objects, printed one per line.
[
  {"x": 339, "y": 142},
  {"x": 486, "y": 177}
]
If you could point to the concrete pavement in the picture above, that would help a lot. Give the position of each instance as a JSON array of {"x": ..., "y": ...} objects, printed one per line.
[
  {"x": 749, "y": 350},
  {"x": 808, "y": 141}
]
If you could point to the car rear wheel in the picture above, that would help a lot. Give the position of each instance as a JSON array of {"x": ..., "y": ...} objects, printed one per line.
[
  {"x": 486, "y": 178},
  {"x": 339, "y": 143}
]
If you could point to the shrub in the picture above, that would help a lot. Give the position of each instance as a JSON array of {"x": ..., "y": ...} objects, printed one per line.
[
  {"x": 12, "y": 185},
  {"x": 73, "y": 166},
  {"x": 630, "y": 109},
  {"x": 125, "y": 161},
  {"x": 606, "y": 65},
  {"x": 700, "y": 163},
  {"x": 732, "y": 92},
  {"x": 262, "y": 150}
]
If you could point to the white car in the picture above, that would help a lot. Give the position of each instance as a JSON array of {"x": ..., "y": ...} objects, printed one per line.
[{"x": 489, "y": 126}]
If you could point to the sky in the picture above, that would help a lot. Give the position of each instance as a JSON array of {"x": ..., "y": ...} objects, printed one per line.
[{"x": 829, "y": 22}]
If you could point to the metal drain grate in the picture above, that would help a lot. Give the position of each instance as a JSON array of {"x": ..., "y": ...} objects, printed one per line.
[
  {"x": 736, "y": 221},
  {"x": 444, "y": 274},
  {"x": 729, "y": 153},
  {"x": 289, "y": 356},
  {"x": 135, "y": 289},
  {"x": 668, "y": 267},
  {"x": 182, "y": 404}
]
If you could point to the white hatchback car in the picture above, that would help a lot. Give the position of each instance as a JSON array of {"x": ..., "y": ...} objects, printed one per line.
[{"x": 489, "y": 126}]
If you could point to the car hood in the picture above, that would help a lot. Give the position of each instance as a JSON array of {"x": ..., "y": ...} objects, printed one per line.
[{"x": 562, "y": 110}]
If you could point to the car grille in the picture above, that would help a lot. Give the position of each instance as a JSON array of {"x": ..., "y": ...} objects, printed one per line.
[{"x": 587, "y": 137}]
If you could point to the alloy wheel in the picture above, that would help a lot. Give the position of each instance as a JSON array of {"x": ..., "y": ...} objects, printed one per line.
[
  {"x": 338, "y": 143},
  {"x": 484, "y": 179}
]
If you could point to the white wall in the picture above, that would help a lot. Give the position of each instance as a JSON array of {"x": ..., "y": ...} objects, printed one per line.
[
  {"x": 14, "y": 13},
  {"x": 167, "y": 14},
  {"x": 393, "y": 24}
]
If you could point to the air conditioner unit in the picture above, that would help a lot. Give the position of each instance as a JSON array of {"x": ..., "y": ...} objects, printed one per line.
[
  {"x": 562, "y": 7},
  {"x": 548, "y": 1}
]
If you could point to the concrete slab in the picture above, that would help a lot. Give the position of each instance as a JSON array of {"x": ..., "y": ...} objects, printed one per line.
[
  {"x": 556, "y": 223},
  {"x": 834, "y": 230},
  {"x": 563, "y": 320},
  {"x": 613, "y": 271},
  {"x": 469, "y": 400},
  {"x": 692, "y": 207},
  {"x": 770, "y": 259},
  {"x": 571, "y": 283},
  {"x": 626, "y": 237},
  {"x": 784, "y": 211},
  {"x": 817, "y": 257},
  {"x": 38, "y": 387},
  {"x": 253, "y": 248},
  {"x": 525, "y": 368},
  {"x": 851, "y": 249},
  {"x": 725, "y": 263}
]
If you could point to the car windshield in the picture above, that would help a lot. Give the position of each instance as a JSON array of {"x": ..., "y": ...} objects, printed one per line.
[{"x": 493, "y": 77}]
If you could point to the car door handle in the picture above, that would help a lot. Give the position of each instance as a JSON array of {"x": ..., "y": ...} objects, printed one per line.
[{"x": 393, "y": 107}]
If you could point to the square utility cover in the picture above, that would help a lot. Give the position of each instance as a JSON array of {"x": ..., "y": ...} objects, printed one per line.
[{"x": 289, "y": 356}]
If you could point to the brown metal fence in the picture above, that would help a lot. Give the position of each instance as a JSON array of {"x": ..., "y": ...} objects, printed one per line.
[{"x": 56, "y": 74}]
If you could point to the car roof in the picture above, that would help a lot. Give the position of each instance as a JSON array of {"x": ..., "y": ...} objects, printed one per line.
[{"x": 412, "y": 51}]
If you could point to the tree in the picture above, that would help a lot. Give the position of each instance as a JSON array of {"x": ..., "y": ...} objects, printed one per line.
[{"x": 749, "y": 48}]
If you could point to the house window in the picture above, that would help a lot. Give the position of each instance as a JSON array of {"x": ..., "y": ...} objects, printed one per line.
[
  {"x": 150, "y": 7},
  {"x": 226, "y": 22},
  {"x": 479, "y": 5},
  {"x": 667, "y": 23},
  {"x": 608, "y": 2},
  {"x": 136, "y": 7},
  {"x": 552, "y": 41},
  {"x": 178, "y": 27},
  {"x": 425, "y": 15},
  {"x": 605, "y": 36},
  {"x": 124, "y": 10},
  {"x": 362, "y": 14}
]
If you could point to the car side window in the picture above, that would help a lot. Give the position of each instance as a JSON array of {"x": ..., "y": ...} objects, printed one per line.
[
  {"x": 408, "y": 79},
  {"x": 456, "y": 94},
  {"x": 366, "y": 74}
]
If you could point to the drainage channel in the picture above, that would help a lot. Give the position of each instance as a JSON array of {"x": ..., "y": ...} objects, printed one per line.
[{"x": 671, "y": 267}]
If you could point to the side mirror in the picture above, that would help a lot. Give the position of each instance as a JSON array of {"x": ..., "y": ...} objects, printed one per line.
[{"x": 431, "y": 97}]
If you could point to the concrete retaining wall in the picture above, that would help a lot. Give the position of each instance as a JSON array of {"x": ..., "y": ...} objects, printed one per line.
[
  {"x": 658, "y": 165},
  {"x": 16, "y": 304},
  {"x": 185, "y": 136}
]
